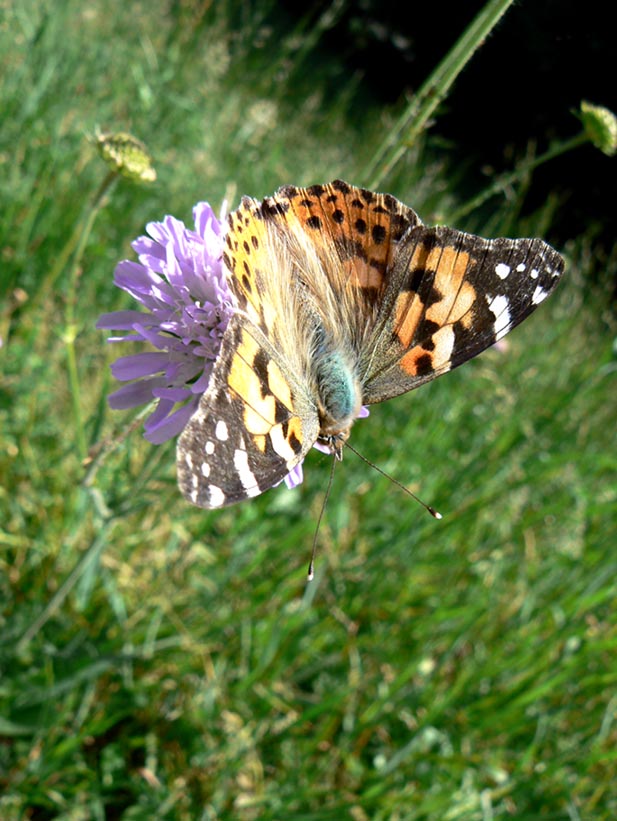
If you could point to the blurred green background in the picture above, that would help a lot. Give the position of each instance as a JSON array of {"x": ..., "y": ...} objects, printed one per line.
[{"x": 160, "y": 661}]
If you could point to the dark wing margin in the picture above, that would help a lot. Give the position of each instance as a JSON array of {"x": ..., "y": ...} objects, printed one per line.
[
  {"x": 246, "y": 435},
  {"x": 452, "y": 295}
]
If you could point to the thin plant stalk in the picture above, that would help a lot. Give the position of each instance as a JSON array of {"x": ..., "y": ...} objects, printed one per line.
[
  {"x": 70, "y": 325},
  {"x": 512, "y": 177},
  {"x": 413, "y": 120}
]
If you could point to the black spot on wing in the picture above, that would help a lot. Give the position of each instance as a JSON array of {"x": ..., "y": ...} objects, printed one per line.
[
  {"x": 260, "y": 367},
  {"x": 378, "y": 232},
  {"x": 340, "y": 185},
  {"x": 316, "y": 190}
]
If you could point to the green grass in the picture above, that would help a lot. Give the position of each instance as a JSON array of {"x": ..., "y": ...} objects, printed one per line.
[{"x": 158, "y": 661}]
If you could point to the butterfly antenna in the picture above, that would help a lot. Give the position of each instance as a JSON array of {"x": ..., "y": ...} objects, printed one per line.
[
  {"x": 435, "y": 513},
  {"x": 311, "y": 569}
]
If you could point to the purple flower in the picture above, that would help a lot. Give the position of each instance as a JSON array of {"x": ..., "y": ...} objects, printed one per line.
[{"x": 180, "y": 281}]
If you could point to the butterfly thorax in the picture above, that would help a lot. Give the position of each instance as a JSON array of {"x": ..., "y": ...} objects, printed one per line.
[{"x": 339, "y": 397}]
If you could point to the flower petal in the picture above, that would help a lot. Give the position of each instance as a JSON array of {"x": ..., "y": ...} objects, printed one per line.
[
  {"x": 172, "y": 425},
  {"x": 180, "y": 282},
  {"x": 120, "y": 320},
  {"x": 129, "y": 396},
  {"x": 138, "y": 365},
  {"x": 295, "y": 477}
]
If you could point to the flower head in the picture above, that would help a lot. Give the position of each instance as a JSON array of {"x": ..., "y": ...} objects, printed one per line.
[
  {"x": 180, "y": 281},
  {"x": 126, "y": 155},
  {"x": 600, "y": 126}
]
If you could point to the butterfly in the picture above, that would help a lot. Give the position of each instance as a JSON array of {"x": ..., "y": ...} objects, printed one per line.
[{"x": 344, "y": 299}]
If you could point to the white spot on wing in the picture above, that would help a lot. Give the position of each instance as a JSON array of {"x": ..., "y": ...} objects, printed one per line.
[
  {"x": 221, "y": 432},
  {"x": 281, "y": 445},
  {"x": 521, "y": 267},
  {"x": 245, "y": 474},
  {"x": 209, "y": 448},
  {"x": 534, "y": 273},
  {"x": 539, "y": 295},
  {"x": 217, "y": 497},
  {"x": 502, "y": 270},
  {"x": 205, "y": 469},
  {"x": 500, "y": 307}
]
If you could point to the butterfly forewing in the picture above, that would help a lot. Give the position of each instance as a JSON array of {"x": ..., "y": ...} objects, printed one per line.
[
  {"x": 249, "y": 431},
  {"x": 452, "y": 295}
]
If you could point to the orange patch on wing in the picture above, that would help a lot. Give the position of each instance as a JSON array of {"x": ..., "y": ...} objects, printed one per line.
[
  {"x": 259, "y": 414},
  {"x": 278, "y": 385},
  {"x": 409, "y": 307},
  {"x": 259, "y": 440},
  {"x": 450, "y": 268},
  {"x": 246, "y": 251},
  {"x": 242, "y": 379},
  {"x": 248, "y": 347},
  {"x": 407, "y": 314},
  {"x": 415, "y": 361},
  {"x": 457, "y": 295},
  {"x": 294, "y": 428},
  {"x": 462, "y": 309},
  {"x": 454, "y": 307},
  {"x": 259, "y": 411}
]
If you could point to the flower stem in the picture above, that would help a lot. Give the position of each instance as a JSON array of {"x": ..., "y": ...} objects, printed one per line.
[
  {"x": 82, "y": 227},
  {"x": 413, "y": 120},
  {"x": 524, "y": 168},
  {"x": 78, "y": 242}
]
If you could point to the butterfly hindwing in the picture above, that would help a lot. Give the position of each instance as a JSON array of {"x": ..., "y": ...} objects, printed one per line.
[
  {"x": 357, "y": 228},
  {"x": 338, "y": 240}
]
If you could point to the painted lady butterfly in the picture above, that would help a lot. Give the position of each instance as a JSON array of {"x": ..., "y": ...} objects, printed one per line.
[{"x": 344, "y": 299}]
